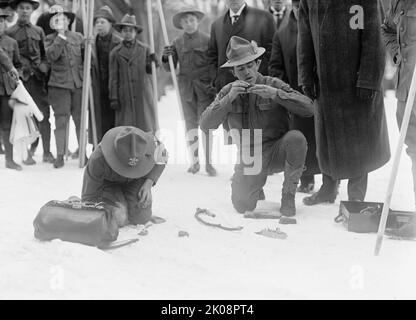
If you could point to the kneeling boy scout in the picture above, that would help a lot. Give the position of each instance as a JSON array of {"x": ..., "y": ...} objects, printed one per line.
[
  {"x": 122, "y": 171},
  {"x": 258, "y": 102}
]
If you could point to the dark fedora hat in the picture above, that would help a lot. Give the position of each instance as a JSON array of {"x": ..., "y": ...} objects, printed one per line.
[
  {"x": 105, "y": 12},
  {"x": 128, "y": 21},
  {"x": 129, "y": 151},
  {"x": 15, "y": 3},
  {"x": 57, "y": 9},
  {"x": 241, "y": 51},
  {"x": 176, "y": 19}
]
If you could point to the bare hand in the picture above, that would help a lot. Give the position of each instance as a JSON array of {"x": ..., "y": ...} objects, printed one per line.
[
  {"x": 264, "y": 91},
  {"x": 14, "y": 74},
  {"x": 145, "y": 195},
  {"x": 238, "y": 87}
]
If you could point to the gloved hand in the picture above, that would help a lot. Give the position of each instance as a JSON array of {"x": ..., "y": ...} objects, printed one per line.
[
  {"x": 309, "y": 92},
  {"x": 114, "y": 105},
  {"x": 153, "y": 58},
  {"x": 168, "y": 51},
  {"x": 365, "y": 94}
]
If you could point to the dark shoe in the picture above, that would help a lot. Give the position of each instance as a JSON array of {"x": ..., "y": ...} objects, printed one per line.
[
  {"x": 319, "y": 197},
  {"x": 75, "y": 155},
  {"x": 10, "y": 164},
  {"x": 48, "y": 157},
  {"x": 29, "y": 161},
  {"x": 288, "y": 207},
  {"x": 306, "y": 188},
  {"x": 194, "y": 168},
  {"x": 210, "y": 170},
  {"x": 59, "y": 162}
]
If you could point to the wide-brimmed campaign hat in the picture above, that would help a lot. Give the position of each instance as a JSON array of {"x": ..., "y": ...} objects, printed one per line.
[
  {"x": 128, "y": 21},
  {"x": 58, "y": 9},
  {"x": 129, "y": 151},
  {"x": 105, "y": 12},
  {"x": 241, "y": 51},
  {"x": 4, "y": 13},
  {"x": 14, "y": 3},
  {"x": 176, "y": 19}
]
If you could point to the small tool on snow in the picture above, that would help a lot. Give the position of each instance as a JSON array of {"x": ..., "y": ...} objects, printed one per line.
[
  {"x": 272, "y": 233},
  {"x": 204, "y": 212}
]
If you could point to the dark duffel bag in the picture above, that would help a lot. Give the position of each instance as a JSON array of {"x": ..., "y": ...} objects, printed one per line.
[{"x": 86, "y": 223}]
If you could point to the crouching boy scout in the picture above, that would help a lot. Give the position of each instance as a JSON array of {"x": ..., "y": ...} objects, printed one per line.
[
  {"x": 122, "y": 171},
  {"x": 194, "y": 78},
  {"x": 258, "y": 102}
]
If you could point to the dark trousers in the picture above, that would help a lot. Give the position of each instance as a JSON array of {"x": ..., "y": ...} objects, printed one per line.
[
  {"x": 357, "y": 187},
  {"x": 125, "y": 197},
  {"x": 65, "y": 103},
  {"x": 6, "y": 116},
  {"x": 36, "y": 89},
  {"x": 288, "y": 152},
  {"x": 192, "y": 111}
]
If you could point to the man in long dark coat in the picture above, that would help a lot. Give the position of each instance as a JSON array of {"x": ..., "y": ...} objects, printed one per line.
[
  {"x": 283, "y": 65},
  {"x": 131, "y": 89},
  {"x": 346, "y": 50},
  {"x": 281, "y": 12},
  {"x": 106, "y": 40},
  {"x": 243, "y": 21}
]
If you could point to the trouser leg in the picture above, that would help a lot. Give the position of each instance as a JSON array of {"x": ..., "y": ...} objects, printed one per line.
[
  {"x": 76, "y": 106},
  {"x": 357, "y": 188},
  {"x": 6, "y": 116},
  {"x": 246, "y": 189},
  {"x": 191, "y": 127},
  {"x": 137, "y": 214},
  {"x": 61, "y": 104},
  {"x": 292, "y": 148},
  {"x": 410, "y": 139}
]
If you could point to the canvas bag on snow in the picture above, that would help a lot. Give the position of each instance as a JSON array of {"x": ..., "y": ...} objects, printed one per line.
[{"x": 91, "y": 224}]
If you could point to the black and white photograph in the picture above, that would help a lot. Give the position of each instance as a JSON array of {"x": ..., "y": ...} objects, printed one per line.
[{"x": 207, "y": 150}]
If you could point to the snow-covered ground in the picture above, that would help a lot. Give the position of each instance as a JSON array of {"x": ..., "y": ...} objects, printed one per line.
[{"x": 319, "y": 259}]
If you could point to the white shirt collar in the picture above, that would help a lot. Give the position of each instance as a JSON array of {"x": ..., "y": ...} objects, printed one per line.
[
  {"x": 275, "y": 12},
  {"x": 232, "y": 14}
]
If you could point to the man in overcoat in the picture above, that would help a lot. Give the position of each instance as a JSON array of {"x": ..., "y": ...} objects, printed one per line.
[
  {"x": 256, "y": 109},
  {"x": 105, "y": 41},
  {"x": 131, "y": 88},
  {"x": 283, "y": 65},
  {"x": 341, "y": 62},
  {"x": 399, "y": 31}
]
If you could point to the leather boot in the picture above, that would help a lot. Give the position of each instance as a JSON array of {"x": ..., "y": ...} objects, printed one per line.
[
  {"x": 292, "y": 176},
  {"x": 8, "y": 150},
  {"x": 59, "y": 162}
]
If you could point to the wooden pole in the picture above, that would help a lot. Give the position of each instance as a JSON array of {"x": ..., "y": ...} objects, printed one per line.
[
  {"x": 393, "y": 175},
  {"x": 152, "y": 51},
  {"x": 171, "y": 64},
  {"x": 93, "y": 119},
  {"x": 87, "y": 82}
]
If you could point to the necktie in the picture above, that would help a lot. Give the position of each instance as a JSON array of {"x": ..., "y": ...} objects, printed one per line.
[{"x": 234, "y": 19}]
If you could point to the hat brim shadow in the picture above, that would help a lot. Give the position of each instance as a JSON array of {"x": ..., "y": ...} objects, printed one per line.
[
  {"x": 230, "y": 64},
  {"x": 119, "y": 27},
  {"x": 71, "y": 16},
  {"x": 145, "y": 165},
  {"x": 14, "y": 4},
  {"x": 177, "y": 17}
]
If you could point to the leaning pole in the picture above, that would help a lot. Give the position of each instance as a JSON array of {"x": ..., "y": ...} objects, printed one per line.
[{"x": 87, "y": 82}]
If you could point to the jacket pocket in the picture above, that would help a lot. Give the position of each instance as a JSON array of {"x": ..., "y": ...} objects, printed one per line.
[
  {"x": 411, "y": 24},
  {"x": 33, "y": 44}
]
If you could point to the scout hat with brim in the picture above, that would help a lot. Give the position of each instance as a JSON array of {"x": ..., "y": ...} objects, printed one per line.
[
  {"x": 4, "y": 13},
  {"x": 241, "y": 51},
  {"x": 176, "y": 19},
  {"x": 128, "y": 21},
  {"x": 14, "y": 3},
  {"x": 129, "y": 151},
  {"x": 105, "y": 12},
  {"x": 57, "y": 9}
]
